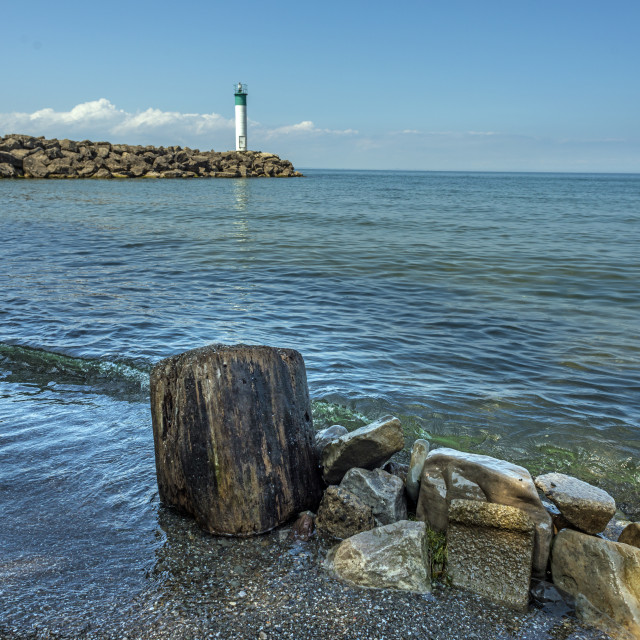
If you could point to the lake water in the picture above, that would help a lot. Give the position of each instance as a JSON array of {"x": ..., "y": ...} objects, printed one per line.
[{"x": 498, "y": 313}]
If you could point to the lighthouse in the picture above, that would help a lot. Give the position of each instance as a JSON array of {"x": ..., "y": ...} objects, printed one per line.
[{"x": 241, "y": 116}]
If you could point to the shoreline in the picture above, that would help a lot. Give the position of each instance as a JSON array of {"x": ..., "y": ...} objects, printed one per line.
[{"x": 28, "y": 157}]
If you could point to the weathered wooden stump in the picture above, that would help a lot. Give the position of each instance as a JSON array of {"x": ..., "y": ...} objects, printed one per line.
[{"x": 234, "y": 437}]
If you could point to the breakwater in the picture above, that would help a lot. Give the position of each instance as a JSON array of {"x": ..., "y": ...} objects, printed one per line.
[{"x": 23, "y": 156}]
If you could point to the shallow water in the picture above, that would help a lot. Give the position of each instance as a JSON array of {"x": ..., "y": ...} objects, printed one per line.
[{"x": 495, "y": 312}]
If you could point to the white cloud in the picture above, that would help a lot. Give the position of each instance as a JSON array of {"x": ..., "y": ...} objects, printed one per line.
[
  {"x": 307, "y": 127},
  {"x": 102, "y": 119}
]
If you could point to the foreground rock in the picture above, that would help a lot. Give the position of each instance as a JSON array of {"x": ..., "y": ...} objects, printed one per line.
[
  {"x": 233, "y": 437},
  {"x": 583, "y": 506},
  {"x": 381, "y": 491},
  {"x": 449, "y": 474},
  {"x": 342, "y": 514},
  {"x": 490, "y": 551},
  {"x": 604, "y": 577},
  {"x": 419, "y": 453},
  {"x": 390, "y": 557},
  {"x": 367, "y": 448},
  {"x": 24, "y": 156}
]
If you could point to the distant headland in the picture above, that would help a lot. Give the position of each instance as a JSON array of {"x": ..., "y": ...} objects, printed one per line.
[{"x": 23, "y": 156}]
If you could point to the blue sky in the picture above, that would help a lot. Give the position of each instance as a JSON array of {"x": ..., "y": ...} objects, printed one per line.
[{"x": 495, "y": 85}]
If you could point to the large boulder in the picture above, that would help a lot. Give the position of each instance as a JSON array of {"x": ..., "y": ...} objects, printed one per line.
[
  {"x": 584, "y": 506},
  {"x": 380, "y": 490},
  {"x": 341, "y": 514},
  {"x": 367, "y": 448},
  {"x": 35, "y": 166},
  {"x": 419, "y": 453},
  {"x": 490, "y": 551},
  {"x": 234, "y": 438},
  {"x": 449, "y": 474},
  {"x": 392, "y": 557},
  {"x": 604, "y": 577}
]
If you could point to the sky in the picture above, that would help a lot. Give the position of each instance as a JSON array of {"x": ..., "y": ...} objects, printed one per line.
[{"x": 462, "y": 85}]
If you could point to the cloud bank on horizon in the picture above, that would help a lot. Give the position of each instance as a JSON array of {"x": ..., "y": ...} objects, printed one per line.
[
  {"x": 308, "y": 145},
  {"x": 102, "y": 119}
]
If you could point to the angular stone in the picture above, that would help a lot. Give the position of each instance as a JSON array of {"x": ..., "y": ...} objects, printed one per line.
[
  {"x": 390, "y": 557},
  {"x": 367, "y": 448},
  {"x": 35, "y": 167},
  {"x": 585, "y": 507},
  {"x": 380, "y": 490},
  {"x": 631, "y": 534},
  {"x": 342, "y": 515},
  {"x": 233, "y": 437},
  {"x": 9, "y": 158},
  {"x": 102, "y": 173},
  {"x": 419, "y": 453},
  {"x": 325, "y": 436},
  {"x": 604, "y": 577},
  {"x": 8, "y": 171},
  {"x": 449, "y": 474},
  {"x": 490, "y": 551}
]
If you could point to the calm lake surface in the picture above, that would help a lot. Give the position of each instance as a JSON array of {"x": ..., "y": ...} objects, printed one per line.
[{"x": 498, "y": 313}]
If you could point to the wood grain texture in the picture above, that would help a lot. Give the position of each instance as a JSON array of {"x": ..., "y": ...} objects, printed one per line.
[{"x": 233, "y": 437}]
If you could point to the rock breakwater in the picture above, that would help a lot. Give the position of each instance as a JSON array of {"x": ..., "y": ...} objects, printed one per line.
[{"x": 23, "y": 156}]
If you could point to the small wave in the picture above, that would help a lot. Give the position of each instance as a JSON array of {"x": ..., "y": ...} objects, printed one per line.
[{"x": 19, "y": 364}]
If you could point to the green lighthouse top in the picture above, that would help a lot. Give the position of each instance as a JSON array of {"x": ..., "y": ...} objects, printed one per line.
[{"x": 241, "y": 93}]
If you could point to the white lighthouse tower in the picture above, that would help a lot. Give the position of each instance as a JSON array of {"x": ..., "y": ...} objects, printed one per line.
[{"x": 241, "y": 116}]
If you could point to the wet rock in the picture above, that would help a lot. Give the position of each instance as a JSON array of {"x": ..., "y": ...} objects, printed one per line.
[
  {"x": 584, "y": 506},
  {"x": 631, "y": 534},
  {"x": 304, "y": 527},
  {"x": 490, "y": 551},
  {"x": 390, "y": 557},
  {"x": 367, "y": 448},
  {"x": 325, "y": 436},
  {"x": 449, "y": 474},
  {"x": 419, "y": 453},
  {"x": 604, "y": 577},
  {"x": 379, "y": 490},
  {"x": 342, "y": 514},
  {"x": 553, "y": 600},
  {"x": 397, "y": 469},
  {"x": 233, "y": 437}
]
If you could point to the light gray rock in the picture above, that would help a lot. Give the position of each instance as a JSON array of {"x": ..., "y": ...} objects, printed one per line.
[
  {"x": 390, "y": 557},
  {"x": 449, "y": 474},
  {"x": 380, "y": 490},
  {"x": 367, "y": 448},
  {"x": 342, "y": 514},
  {"x": 490, "y": 551},
  {"x": 604, "y": 577},
  {"x": 631, "y": 534},
  {"x": 325, "y": 436},
  {"x": 584, "y": 506},
  {"x": 419, "y": 453}
]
